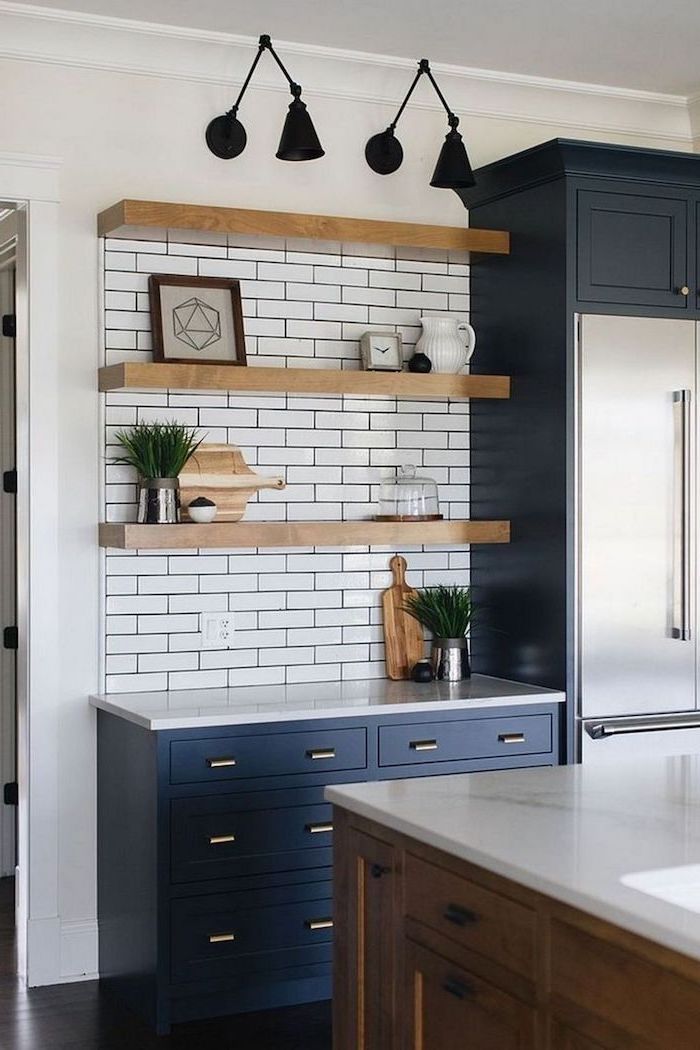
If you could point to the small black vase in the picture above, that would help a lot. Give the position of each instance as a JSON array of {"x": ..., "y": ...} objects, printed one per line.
[
  {"x": 422, "y": 671},
  {"x": 420, "y": 363}
]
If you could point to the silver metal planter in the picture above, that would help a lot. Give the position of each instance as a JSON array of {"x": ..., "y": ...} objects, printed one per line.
[
  {"x": 159, "y": 501},
  {"x": 450, "y": 659}
]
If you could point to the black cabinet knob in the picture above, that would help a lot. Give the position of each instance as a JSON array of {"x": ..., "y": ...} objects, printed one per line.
[
  {"x": 459, "y": 916},
  {"x": 460, "y": 989},
  {"x": 377, "y": 870}
]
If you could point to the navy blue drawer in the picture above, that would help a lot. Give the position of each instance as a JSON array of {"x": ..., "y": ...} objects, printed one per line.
[
  {"x": 221, "y": 935},
  {"x": 215, "y": 837},
  {"x": 403, "y": 745},
  {"x": 274, "y": 754}
]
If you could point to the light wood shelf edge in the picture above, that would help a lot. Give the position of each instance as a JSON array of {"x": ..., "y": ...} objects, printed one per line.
[
  {"x": 125, "y": 536},
  {"x": 159, "y": 376},
  {"x": 126, "y": 215}
]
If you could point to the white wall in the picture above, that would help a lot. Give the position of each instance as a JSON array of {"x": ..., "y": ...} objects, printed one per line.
[{"x": 81, "y": 91}]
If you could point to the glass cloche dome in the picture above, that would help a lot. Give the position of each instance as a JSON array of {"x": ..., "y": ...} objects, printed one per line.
[{"x": 408, "y": 497}]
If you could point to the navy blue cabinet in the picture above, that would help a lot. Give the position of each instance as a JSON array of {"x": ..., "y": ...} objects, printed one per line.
[
  {"x": 634, "y": 248},
  {"x": 215, "y": 845},
  {"x": 595, "y": 228}
]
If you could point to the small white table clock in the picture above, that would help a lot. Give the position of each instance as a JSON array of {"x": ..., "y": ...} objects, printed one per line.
[{"x": 381, "y": 351}]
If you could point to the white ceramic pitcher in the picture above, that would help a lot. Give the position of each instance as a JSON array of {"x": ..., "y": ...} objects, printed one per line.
[{"x": 447, "y": 341}]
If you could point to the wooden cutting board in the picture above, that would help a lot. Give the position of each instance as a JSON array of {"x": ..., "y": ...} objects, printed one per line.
[
  {"x": 403, "y": 636},
  {"x": 220, "y": 473}
]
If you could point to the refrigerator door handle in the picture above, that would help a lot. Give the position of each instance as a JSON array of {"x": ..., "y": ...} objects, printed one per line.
[
  {"x": 680, "y": 627},
  {"x": 600, "y": 730}
]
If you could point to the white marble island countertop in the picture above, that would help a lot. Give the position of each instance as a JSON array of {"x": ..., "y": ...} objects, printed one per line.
[
  {"x": 570, "y": 832},
  {"x": 245, "y": 705}
]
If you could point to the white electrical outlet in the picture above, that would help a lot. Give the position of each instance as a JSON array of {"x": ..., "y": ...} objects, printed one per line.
[{"x": 216, "y": 630}]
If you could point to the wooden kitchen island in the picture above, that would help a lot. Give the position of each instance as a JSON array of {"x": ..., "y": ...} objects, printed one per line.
[{"x": 494, "y": 912}]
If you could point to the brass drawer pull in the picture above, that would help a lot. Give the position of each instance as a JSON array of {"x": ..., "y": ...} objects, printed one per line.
[
  {"x": 220, "y": 763},
  {"x": 423, "y": 745},
  {"x": 511, "y": 738},
  {"x": 460, "y": 989},
  {"x": 218, "y": 840},
  {"x": 321, "y": 752},
  {"x": 221, "y": 938},
  {"x": 459, "y": 916},
  {"x": 319, "y": 924},
  {"x": 318, "y": 829}
]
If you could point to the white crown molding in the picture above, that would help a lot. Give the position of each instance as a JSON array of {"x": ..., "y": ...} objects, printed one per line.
[
  {"x": 694, "y": 120},
  {"x": 67, "y": 38},
  {"x": 25, "y": 176}
]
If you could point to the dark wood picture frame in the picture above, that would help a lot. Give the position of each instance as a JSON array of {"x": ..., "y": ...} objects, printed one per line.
[{"x": 157, "y": 281}]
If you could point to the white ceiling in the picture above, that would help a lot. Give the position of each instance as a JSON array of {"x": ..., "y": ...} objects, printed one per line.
[{"x": 646, "y": 44}]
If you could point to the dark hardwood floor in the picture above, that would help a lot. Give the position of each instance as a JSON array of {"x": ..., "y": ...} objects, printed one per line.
[{"x": 81, "y": 1017}]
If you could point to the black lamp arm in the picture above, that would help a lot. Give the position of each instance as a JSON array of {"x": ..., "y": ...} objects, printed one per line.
[
  {"x": 451, "y": 117},
  {"x": 424, "y": 68},
  {"x": 264, "y": 44}
]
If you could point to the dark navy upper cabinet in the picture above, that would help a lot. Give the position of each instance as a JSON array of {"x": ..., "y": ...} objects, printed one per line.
[
  {"x": 595, "y": 228},
  {"x": 633, "y": 249}
]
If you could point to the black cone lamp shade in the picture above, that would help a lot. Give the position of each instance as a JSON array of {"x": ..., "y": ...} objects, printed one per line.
[
  {"x": 226, "y": 137},
  {"x": 299, "y": 140},
  {"x": 453, "y": 170}
]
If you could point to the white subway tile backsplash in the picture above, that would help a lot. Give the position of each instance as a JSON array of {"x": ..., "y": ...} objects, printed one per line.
[
  {"x": 287, "y": 655},
  {"x": 136, "y": 683},
  {"x": 168, "y": 662},
  {"x": 233, "y": 268},
  {"x": 197, "y": 679},
  {"x": 300, "y": 615},
  {"x": 216, "y": 658}
]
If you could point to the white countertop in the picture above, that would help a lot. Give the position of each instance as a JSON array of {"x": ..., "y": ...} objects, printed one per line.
[
  {"x": 570, "y": 832},
  {"x": 246, "y": 705}
]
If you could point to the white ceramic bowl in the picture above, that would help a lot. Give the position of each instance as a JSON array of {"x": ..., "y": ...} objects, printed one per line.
[{"x": 202, "y": 515}]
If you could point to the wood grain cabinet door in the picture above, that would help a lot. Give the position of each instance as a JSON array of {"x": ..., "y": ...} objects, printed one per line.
[
  {"x": 633, "y": 250},
  {"x": 446, "y": 1008},
  {"x": 564, "y": 1038},
  {"x": 365, "y": 979}
]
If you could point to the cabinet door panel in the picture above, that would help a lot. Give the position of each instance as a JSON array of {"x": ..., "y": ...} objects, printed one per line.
[
  {"x": 447, "y": 1008},
  {"x": 365, "y": 949},
  {"x": 632, "y": 249},
  {"x": 564, "y": 1038}
]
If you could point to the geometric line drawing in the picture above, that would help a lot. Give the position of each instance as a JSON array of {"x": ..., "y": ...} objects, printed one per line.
[{"x": 196, "y": 323}]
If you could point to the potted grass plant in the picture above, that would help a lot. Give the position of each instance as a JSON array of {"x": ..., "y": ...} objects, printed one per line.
[
  {"x": 158, "y": 452},
  {"x": 447, "y": 613}
]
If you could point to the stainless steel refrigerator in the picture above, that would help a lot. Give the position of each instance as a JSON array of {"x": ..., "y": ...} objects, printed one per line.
[{"x": 636, "y": 536}]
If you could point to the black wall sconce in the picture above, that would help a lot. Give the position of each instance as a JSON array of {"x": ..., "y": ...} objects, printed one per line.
[
  {"x": 226, "y": 137},
  {"x": 384, "y": 152}
]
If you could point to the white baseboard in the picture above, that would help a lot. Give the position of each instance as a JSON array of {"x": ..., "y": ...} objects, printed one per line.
[
  {"x": 61, "y": 952},
  {"x": 79, "y": 951}
]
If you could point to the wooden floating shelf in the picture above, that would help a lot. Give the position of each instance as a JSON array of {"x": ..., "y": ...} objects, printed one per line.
[
  {"x": 299, "y": 534},
  {"x": 130, "y": 218},
  {"x": 330, "y": 381}
]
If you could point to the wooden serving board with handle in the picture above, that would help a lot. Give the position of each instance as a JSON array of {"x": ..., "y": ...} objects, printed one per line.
[
  {"x": 403, "y": 636},
  {"x": 220, "y": 473}
]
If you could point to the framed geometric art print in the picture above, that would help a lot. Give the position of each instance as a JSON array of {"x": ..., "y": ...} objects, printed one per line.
[{"x": 197, "y": 320}]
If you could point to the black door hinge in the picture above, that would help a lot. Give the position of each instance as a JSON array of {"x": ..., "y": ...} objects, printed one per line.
[
  {"x": 9, "y": 325},
  {"x": 10, "y": 638},
  {"x": 9, "y": 481},
  {"x": 10, "y": 793}
]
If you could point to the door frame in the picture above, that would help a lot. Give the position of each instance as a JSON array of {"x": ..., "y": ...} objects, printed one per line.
[
  {"x": 8, "y": 552},
  {"x": 31, "y": 183}
]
